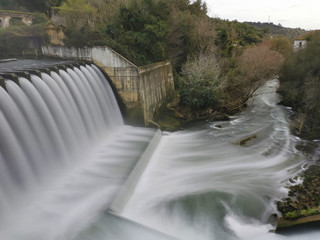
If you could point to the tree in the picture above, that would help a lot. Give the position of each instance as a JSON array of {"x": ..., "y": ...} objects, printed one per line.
[
  {"x": 144, "y": 30},
  {"x": 300, "y": 82},
  {"x": 257, "y": 65},
  {"x": 77, "y": 13},
  {"x": 250, "y": 70},
  {"x": 31, "y": 5},
  {"x": 281, "y": 44},
  {"x": 201, "y": 82},
  {"x": 198, "y": 8}
]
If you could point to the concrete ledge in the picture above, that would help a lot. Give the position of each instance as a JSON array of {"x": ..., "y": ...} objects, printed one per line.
[
  {"x": 11, "y": 76},
  {"x": 284, "y": 223},
  {"x": 153, "y": 66},
  {"x": 128, "y": 189},
  {"x": 2, "y": 83}
]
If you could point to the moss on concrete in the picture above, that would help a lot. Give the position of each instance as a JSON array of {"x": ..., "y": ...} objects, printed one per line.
[
  {"x": 303, "y": 200},
  {"x": 286, "y": 223}
]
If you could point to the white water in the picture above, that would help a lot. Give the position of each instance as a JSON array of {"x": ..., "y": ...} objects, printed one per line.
[
  {"x": 65, "y": 154},
  {"x": 203, "y": 185}
]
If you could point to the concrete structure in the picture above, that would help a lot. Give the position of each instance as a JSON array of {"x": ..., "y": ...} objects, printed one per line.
[
  {"x": 299, "y": 44},
  {"x": 157, "y": 86},
  {"x": 55, "y": 34},
  {"x": 5, "y": 16},
  {"x": 142, "y": 89}
]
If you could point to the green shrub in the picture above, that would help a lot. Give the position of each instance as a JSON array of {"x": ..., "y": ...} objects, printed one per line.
[
  {"x": 40, "y": 18},
  {"x": 302, "y": 213},
  {"x": 291, "y": 215},
  {"x": 201, "y": 83},
  {"x": 16, "y": 40}
]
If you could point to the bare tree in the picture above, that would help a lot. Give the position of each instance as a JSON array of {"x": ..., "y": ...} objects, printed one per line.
[{"x": 257, "y": 65}]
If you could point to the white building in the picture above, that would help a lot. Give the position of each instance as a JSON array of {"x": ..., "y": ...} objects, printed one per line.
[{"x": 299, "y": 44}]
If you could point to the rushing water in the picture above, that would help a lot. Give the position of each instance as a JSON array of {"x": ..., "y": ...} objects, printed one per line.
[
  {"x": 67, "y": 159},
  {"x": 64, "y": 153},
  {"x": 201, "y": 184}
]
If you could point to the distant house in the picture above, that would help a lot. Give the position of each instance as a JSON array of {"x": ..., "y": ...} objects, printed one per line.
[{"x": 299, "y": 44}]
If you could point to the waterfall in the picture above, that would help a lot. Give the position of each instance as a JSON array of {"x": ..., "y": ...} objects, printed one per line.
[{"x": 64, "y": 152}]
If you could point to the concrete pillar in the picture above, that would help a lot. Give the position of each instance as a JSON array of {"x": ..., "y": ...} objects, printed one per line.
[
  {"x": 27, "y": 20},
  {"x": 11, "y": 76},
  {"x": 24, "y": 74},
  {"x": 2, "y": 83},
  {"x": 5, "y": 22},
  {"x": 35, "y": 72}
]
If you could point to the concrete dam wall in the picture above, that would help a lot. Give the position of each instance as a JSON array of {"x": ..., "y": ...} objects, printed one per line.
[{"x": 142, "y": 89}]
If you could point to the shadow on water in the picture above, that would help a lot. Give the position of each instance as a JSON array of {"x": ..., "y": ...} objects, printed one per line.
[
  {"x": 12, "y": 65},
  {"x": 300, "y": 229}
]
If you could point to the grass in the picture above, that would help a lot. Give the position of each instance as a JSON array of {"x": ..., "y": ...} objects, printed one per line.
[{"x": 302, "y": 213}]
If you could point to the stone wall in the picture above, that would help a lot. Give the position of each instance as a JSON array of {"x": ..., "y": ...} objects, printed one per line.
[{"x": 142, "y": 89}]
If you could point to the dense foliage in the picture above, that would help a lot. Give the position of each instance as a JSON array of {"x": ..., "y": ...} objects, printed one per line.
[
  {"x": 144, "y": 31},
  {"x": 217, "y": 64},
  {"x": 232, "y": 35},
  {"x": 300, "y": 84},
  {"x": 278, "y": 30},
  {"x": 202, "y": 83},
  {"x": 30, "y": 5}
]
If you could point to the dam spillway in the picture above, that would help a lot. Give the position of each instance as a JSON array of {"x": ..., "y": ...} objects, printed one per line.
[{"x": 65, "y": 151}]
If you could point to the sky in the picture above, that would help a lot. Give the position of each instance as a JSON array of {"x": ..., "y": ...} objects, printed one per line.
[{"x": 289, "y": 13}]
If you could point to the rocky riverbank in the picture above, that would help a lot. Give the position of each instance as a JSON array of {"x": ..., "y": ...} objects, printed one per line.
[
  {"x": 179, "y": 118},
  {"x": 175, "y": 116},
  {"x": 303, "y": 202}
]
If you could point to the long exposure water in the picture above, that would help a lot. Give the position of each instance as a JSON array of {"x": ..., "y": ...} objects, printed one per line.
[
  {"x": 71, "y": 170},
  {"x": 202, "y": 184}
]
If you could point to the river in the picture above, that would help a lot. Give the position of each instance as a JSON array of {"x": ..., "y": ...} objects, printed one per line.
[
  {"x": 202, "y": 184},
  {"x": 71, "y": 170}
]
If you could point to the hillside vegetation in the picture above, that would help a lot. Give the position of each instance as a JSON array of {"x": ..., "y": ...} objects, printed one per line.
[
  {"x": 276, "y": 30},
  {"x": 20, "y": 39},
  {"x": 300, "y": 84},
  {"x": 217, "y": 64}
]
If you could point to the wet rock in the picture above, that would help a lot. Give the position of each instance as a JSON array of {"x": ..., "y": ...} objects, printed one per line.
[
  {"x": 303, "y": 201},
  {"x": 291, "y": 180},
  {"x": 244, "y": 141}
]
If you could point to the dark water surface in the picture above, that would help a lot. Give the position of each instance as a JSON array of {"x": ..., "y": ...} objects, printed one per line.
[{"x": 12, "y": 65}]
